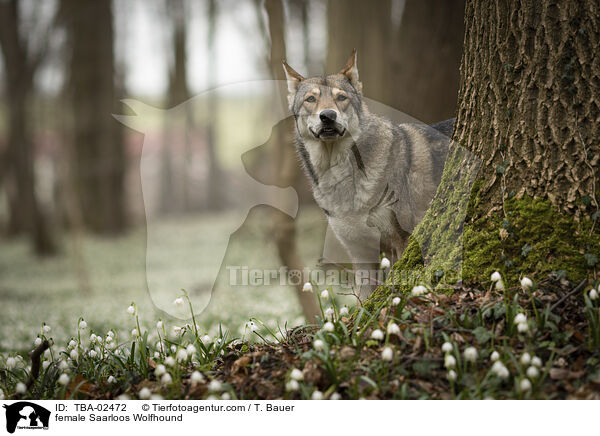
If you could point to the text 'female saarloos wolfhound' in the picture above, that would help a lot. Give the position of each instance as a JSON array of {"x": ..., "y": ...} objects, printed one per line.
[{"x": 373, "y": 179}]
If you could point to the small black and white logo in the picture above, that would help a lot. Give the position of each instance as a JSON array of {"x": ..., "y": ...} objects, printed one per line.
[{"x": 26, "y": 415}]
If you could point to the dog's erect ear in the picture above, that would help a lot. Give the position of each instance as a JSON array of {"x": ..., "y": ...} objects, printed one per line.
[
  {"x": 350, "y": 70},
  {"x": 293, "y": 80}
]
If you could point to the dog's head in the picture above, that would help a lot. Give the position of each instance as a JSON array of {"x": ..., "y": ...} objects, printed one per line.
[{"x": 326, "y": 109}]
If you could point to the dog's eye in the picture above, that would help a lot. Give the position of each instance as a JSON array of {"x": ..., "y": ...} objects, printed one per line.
[
  {"x": 341, "y": 97},
  {"x": 310, "y": 99}
]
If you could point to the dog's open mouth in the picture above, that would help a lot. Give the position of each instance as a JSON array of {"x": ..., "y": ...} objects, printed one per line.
[{"x": 329, "y": 132}]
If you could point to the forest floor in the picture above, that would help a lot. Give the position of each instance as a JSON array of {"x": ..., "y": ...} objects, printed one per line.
[{"x": 485, "y": 342}]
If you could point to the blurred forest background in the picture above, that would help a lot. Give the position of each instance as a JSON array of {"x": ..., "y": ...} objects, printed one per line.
[{"x": 72, "y": 215}]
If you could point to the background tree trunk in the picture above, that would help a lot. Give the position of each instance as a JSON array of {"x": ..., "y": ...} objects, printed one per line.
[
  {"x": 528, "y": 111},
  {"x": 285, "y": 163},
  {"x": 26, "y": 213},
  {"x": 98, "y": 151},
  {"x": 425, "y": 65}
]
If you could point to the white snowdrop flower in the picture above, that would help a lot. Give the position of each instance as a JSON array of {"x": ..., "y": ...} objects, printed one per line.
[
  {"x": 526, "y": 283},
  {"x": 166, "y": 379},
  {"x": 173, "y": 348},
  {"x": 533, "y": 372},
  {"x": 21, "y": 388},
  {"x": 111, "y": 379},
  {"x": 495, "y": 356},
  {"x": 45, "y": 364},
  {"x": 335, "y": 396},
  {"x": 470, "y": 354},
  {"x": 496, "y": 276},
  {"x": 131, "y": 310},
  {"x": 536, "y": 361},
  {"x": 503, "y": 373},
  {"x": 499, "y": 285},
  {"x": 135, "y": 333},
  {"x": 523, "y": 327},
  {"x": 110, "y": 333},
  {"x": 593, "y": 294},
  {"x": 395, "y": 301},
  {"x": 72, "y": 343},
  {"x": 190, "y": 349},
  {"x": 108, "y": 339},
  {"x": 176, "y": 330},
  {"x": 524, "y": 385},
  {"x": 144, "y": 393},
  {"x": 418, "y": 291},
  {"x": 393, "y": 329},
  {"x": 452, "y": 375},
  {"x": 447, "y": 347},
  {"x": 92, "y": 353},
  {"x": 74, "y": 354},
  {"x": 11, "y": 362},
  {"x": 93, "y": 338},
  {"x": 449, "y": 361},
  {"x": 500, "y": 370},
  {"x": 387, "y": 354},
  {"x": 63, "y": 365},
  {"x": 123, "y": 397},
  {"x": 64, "y": 379},
  {"x": 181, "y": 355},
  {"x": 385, "y": 263},
  {"x": 252, "y": 326},
  {"x": 296, "y": 374},
  {"x": 292, "y": 385},
  {"x": 318, "y": 344},
  {"x": 226, "y": 396},
  {"x": 525, "y": 359},
  {"x": 156, "y": 397},
  {"x": 378, "y": 335},
  {"x": 308, "y": 287},
  {"x": 47, "y": 353},
  {"x": 46, "y": 329},
  {"x": 215, "y": 386},
  {"x": 159, "y": 324},
  {"x": 520, "y": 318},
  {"x": 211, "y": 398},
  {"x": 344, "y": 311},
  {"x": 82, "y": 325},
  {"x": 325, "y": 294},
  {"x": 196, "y": 377},
  {"x": 178, "y": 302},
  {"x": 160, "y": 369},
  {"x": 170, "y": 361},
  {"x": 329, "y": 313},
  {"x": 156, "y": 355},
  {"x": 316, "y": 395},
  {"x": 328, "y": 326},
  {"x": 37, "y": 341}
]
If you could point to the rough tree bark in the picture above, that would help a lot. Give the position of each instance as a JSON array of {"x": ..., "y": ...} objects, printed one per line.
[
  {"x": 97, "y": 149},
  {"x": 529, "y": 106},
  {"x": 26, "y": 214}
]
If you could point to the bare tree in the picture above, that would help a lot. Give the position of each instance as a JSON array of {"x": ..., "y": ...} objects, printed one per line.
[
  {"x": 26, "y": 213},
  {"x": 98, "y": 154}
]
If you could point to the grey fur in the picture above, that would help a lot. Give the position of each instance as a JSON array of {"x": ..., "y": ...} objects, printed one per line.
[{"x": 374, "y": 179}]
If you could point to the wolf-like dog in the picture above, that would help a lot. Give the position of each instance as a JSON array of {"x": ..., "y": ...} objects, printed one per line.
[{"x": 373, "y": 179}]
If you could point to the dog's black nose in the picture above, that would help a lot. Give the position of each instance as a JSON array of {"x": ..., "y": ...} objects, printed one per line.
[{"x": 328, "y": 116}]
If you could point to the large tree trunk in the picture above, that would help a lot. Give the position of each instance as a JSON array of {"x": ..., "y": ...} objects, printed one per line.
[
  {"x": 98, "y": 150},
  {"x": 26, "y": 213},
  {"x": 425, "y": 75},
  {"x": 529, "y": 105}
]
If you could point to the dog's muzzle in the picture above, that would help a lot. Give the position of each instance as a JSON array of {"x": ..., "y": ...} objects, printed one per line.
[{"x": 328, "y": 131}]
